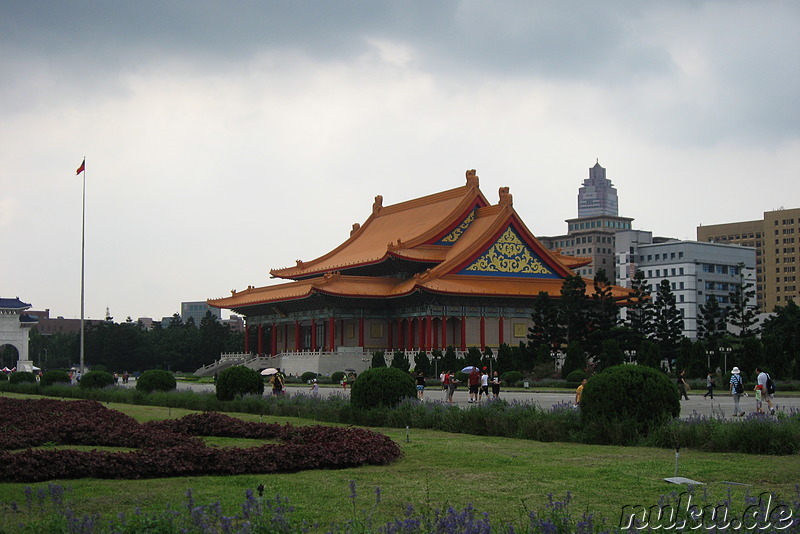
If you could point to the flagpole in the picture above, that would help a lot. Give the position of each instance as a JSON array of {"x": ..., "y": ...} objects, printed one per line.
[{"x": 83, "y": 240}]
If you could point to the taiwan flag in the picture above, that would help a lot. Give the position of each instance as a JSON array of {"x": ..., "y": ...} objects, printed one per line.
[{"x": 82, "y": 167}]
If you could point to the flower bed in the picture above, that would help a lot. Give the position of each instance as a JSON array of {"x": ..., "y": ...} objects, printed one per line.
[{"x": 167, "y": 448}]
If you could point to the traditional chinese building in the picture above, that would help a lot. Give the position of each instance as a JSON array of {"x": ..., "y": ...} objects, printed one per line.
[{"x": 445, "y": 269}]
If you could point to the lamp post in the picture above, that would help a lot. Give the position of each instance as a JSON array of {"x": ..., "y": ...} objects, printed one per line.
[
  {"x": 725, "y": 351},
  {"x": 630, "y": 355},
  {"x": 556, "y": 354},
  {"x": 709, "y": 353}
]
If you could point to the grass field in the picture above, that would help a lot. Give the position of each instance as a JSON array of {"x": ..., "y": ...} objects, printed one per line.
[{"x": 504, "y": 477}]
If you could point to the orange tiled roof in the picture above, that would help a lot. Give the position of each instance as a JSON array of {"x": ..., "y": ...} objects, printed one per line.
[
  {"x": 397, "y": 230},
  {"x": 474, "y": 249}
]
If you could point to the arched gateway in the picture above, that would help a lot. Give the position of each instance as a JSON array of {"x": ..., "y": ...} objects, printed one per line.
[
  {"x": 14, "y": 328},
  {"x": 447, "y": 269}
]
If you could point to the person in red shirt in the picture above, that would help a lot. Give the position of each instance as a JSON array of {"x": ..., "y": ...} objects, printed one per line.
[{"x": 474, "y": 383}]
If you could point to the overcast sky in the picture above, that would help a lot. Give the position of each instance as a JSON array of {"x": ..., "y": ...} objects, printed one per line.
[{"x": 226, "y": 138}]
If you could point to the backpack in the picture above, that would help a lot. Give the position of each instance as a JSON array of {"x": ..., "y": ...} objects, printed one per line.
[
  {"x": 770, "y": 386},
  {"x": 738, "y": 387}
]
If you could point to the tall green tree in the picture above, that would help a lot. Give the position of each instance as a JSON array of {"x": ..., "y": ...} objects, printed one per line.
[
  {"x": 781, "y": 335},
  {"x": 400, "y": 361},
  {"x": 604, "y": 313},
  {"x": 546, "y": 328},
  {"x": 667, "y": 320},
  {"x": 378, "y": 359},
  {"x": 743, "y": 314},
  {"x": 573, "y": 309},
  {"x": 711, "y": 324},
  {"x": 639, "y": 312},
  {"x": 422, "y": 363}
]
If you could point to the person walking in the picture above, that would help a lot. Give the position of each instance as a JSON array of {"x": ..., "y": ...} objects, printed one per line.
[
  {"x": 579, "y": 392},
  {"x": 473, "y": 381},
  {"x": 709, "y": 385},
  {"x": 737, "y": 390},
  {"x": 452, "y": 384},
  {"x": 495, "y": 385},
  {"x": 765, "y": 395},
  {"x": 682, "y": 386},
  {"x": 420, "y": 385},
  {"x": 484, "y": 390}
]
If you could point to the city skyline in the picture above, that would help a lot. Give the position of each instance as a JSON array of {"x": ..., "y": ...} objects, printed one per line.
[{"x": 222, "y": 141}]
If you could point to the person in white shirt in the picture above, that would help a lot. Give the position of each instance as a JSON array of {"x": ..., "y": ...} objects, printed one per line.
[{"x": 765, "y": 396}]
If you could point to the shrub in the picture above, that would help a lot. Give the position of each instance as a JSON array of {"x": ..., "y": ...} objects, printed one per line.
[
  {"x": 238, "y": 381},
  {"x": 22, "y": 376},
  {"x": 156, "y": 380},
  {"x": 577, "y": 375},
  {"x": 382, "y": 386},
  {"x": 3, "y": 377},
  {"x": 55, "y": 376},
  {"x": 308, "y": 375},
  {"x": 511, "y": 378},
  {"x": 337, "y": 376},
  {"x": 96, "y": 380},
  {"x": 624, "y": 402}
]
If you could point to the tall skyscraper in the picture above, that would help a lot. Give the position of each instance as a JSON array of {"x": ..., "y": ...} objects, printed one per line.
[{"x": 597, "y": 196}]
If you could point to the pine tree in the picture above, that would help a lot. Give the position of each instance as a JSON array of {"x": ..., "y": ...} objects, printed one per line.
[
  {"x": 640, "y": 306},
  {"x": 545, "y": 329},
  {"x": 743, "y": 315},
  {"x": 711, "y": 324},
  {"x": 603, "y": 315},
  {"x": 573, "y": 309},
  {"x": 668, "y": 323}
]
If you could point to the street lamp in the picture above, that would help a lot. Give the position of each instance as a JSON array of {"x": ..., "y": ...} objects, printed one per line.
[
  {"x": 709, "y": 353},
  {"x": 725, "y": 351},
  {"x": 631, "y": 355},
  {"x": 556, "y": 354}
]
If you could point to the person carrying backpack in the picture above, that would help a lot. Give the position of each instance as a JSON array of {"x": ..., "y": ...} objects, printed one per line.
[
  {"x": 737, "y": 390},
  {"x": 767, "y": 388}
]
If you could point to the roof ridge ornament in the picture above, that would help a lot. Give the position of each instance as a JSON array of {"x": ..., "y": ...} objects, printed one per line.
[
  {"x": 377, "y": 205},
  {"x": 506, "y": 199},
  {"x": 356, "y": 226},
  {"x": 472, "y": 178}
]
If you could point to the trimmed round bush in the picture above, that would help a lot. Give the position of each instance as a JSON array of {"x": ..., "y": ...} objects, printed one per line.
[
  {"x": 238, "y": 381},
  {"x": 3, "y": 376},
  {"x": 156, "y": 380},
  {"x": 96, "y": 380},
  {"x": 19, "y": 377},
  {"x": 625, "y": 402},
  {"x": 577, "y": 375},
  {"x": 337, "y": 376},
  {"x": 55, "y": 376},
  {"x": 382, "y": 386},
  {"x": 511, "y": 378},
  {"x": 308, "y": 375}
]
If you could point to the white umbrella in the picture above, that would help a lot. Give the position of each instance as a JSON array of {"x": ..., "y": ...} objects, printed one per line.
[
  {"x": 469, "y": 369},
  {"x": 269, "y": 371}
]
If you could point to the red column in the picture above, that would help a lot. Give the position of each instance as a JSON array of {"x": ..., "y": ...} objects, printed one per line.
[
  {"x": 421, "y": 333},
  {"x": 428, "y": 332},
  {"x": 463, "y": 332},
  {"x": 274, "y": 339},
  {"x": 410, "y": 336},
  {"x": 389, "y": 336},
  {"x": 400, "y": 337},
  {"x": 435, "y": 335},
  {"x": 444, "y": 332},
  {"x": 313, "y": 334},
  {"x": 297, "y": 341},
  {"x": 247, "y": 340},
  {"x": 361, "y": 332},
  {"x": 483, "y": 333},
  {"x": 500, "y": 333},
  {"x": 285, "y": 337},
  {"x": 332, "y": 336},
  {"x": 260, "y": 337}
]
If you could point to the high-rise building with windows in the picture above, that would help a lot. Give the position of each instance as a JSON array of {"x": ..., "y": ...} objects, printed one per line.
[
  {"x": 591, "y": 234},
  {"x": 776, "y": 239},
  {"x": 597, "y": 196},
  {"x": 695, "y": 270}
]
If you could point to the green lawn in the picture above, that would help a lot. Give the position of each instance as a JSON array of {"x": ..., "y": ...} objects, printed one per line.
[{"x": 504, "y": 477}]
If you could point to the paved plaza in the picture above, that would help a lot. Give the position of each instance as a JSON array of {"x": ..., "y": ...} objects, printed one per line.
[{"x": 721, "y": 405}]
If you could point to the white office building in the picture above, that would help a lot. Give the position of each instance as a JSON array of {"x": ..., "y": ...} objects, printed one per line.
[{"x": 695, "y": 270}]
